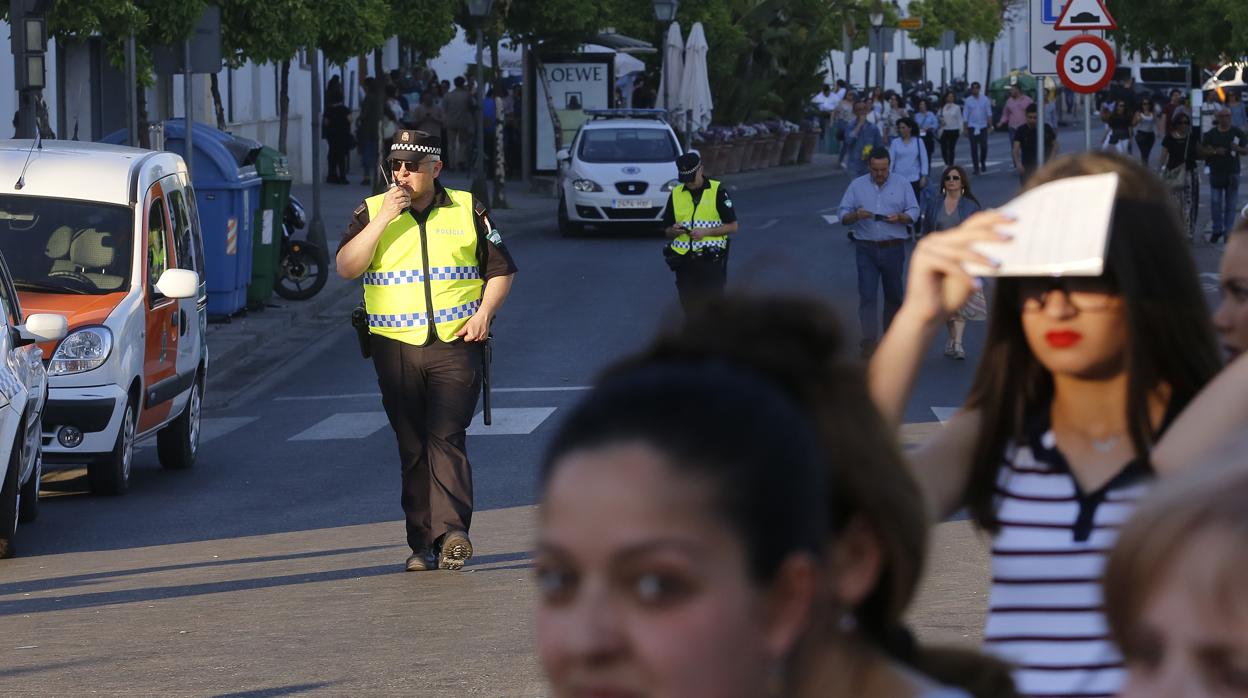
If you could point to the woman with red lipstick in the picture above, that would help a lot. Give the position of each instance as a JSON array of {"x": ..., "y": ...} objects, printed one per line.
[{"x": 1079, "y": 380}]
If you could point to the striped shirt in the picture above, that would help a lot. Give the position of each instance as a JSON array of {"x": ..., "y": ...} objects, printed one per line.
[{"x": 1045, "y": 614}]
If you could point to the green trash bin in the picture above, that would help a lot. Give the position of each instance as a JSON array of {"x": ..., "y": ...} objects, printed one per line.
[{"x": 267, "y": 231}]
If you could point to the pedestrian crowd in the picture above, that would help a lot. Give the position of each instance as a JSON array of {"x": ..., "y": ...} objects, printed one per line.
[
  {"x": 723, "y": 516},
  {"x": 416, "y": 98}
]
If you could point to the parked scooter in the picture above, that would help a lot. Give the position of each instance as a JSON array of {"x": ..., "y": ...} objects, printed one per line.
[{"x": 303, "y": 267}]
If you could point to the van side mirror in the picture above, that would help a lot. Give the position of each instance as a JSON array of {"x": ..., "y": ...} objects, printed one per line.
[
  {"x": 563, "y": 155},
  {"x": 44, "y": 327},
  {"x": 178, "y": 283}
]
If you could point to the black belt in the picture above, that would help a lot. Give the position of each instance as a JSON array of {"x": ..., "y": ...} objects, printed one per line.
[{"x": 896, "y": 242}]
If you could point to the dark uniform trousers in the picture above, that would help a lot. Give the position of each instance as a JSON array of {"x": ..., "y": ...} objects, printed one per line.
[
  {"x": 430, "y": 394},
  {"x": 700, "y": 278}
]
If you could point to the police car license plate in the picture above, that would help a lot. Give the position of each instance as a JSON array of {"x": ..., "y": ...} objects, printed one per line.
[{"x": 631, "y": 203}]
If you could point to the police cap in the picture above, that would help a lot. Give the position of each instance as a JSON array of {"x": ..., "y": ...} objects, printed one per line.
[
  {"x": 414, "y": 146},
  {"x": 687, "y": 166}
]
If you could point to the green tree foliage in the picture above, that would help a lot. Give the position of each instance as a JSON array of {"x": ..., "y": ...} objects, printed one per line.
[
  {"x": 1206, "y": 32},
  {"x": 425, "y": 25},
  {"x": 349, "y": 28}
]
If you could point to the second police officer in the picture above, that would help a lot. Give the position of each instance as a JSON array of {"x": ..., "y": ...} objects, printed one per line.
[
  {"x": 435, "y": 273},
  {"x": 698, "y": 219}
]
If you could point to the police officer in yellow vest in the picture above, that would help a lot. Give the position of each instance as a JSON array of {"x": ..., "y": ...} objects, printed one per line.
[
  {"x": 435, "y": 272},
  {"x": 697, "y": 221}
]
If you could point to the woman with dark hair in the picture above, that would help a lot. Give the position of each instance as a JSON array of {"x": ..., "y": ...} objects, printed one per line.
[
  {"x": 951, "y": 125},
  {"x": 1118, "y": 125},
  {"x": 927, "y": 124},
  {"x": 1146, "y": 123},
  {"x": 946, "y": 212},
  {"x": 1080, "y": 378},
  {"x": 909, "y": 156},
  {"x": 1180, "y": 152},
  {"x": 876, "y": 540},
  {"x": 680, "y": 530}
]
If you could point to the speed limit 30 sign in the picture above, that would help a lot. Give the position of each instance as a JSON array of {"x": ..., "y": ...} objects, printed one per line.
[{"x": 1086, "y": 64}]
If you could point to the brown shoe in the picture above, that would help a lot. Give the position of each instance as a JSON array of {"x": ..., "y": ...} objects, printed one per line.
[
  {"x": 456, "y": 549},
  {"x": 422, "y": 560}
]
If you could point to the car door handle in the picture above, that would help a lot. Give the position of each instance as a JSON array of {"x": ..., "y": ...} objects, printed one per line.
[{"x": 179, "y": 320}]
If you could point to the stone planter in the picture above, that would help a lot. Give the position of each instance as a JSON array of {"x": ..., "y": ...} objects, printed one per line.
[
  {"x": 747, "y": 155},
  {"x": 810, "y": 141},
  {"x": 732, "y": 157},
  {"x": 792, "y": 143},
  {"x": 713, "y": 158},
  {"x": 777, "y": 149},
  {"x": 762, "y": 151}
]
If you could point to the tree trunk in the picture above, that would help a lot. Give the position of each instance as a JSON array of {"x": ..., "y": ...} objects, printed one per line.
[
  {"x": 283, "y": 106},
  {"x": 379, "y": 92},
  {"x": 992, "y": 48},
  {"x": 216, "y": 101},
  {"x": 966, "y": 63}
]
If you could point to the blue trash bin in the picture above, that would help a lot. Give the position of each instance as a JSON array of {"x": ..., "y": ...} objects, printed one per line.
[{"x": 227, "y": 194}]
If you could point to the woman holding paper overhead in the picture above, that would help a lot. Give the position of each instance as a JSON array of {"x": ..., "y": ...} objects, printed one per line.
[{"x": 1079, "y": 379}]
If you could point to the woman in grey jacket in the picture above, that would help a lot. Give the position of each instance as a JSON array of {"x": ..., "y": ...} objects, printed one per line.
[{"x": 955, "y": 204}]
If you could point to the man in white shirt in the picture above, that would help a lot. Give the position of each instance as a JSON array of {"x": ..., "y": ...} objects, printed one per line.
[{"x": 977, "y": 120}]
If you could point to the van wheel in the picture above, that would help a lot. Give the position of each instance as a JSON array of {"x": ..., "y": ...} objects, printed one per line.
[
  {"x": 10, "y": 494},
  {"x": 111, "y": 473},
  {"x": 178, "y": 443}
]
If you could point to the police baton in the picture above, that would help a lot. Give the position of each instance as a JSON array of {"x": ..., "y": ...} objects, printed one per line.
[{"x": 487, "y": 358}]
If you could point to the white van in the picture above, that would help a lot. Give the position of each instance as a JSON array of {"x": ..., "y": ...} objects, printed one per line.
[{"x": 111, "y": 240}]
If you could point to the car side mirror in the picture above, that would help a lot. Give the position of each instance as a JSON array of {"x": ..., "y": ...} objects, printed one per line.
[
  {"x": 564, "y": 155},
  {"x": 178, "y": 283},
  {"x": 44, "y": 327}
]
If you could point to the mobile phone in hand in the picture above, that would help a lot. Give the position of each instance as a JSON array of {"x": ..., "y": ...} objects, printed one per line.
[{"x": 881, "y": 217}]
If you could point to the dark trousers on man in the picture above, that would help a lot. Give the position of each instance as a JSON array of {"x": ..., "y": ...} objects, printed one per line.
[
  {"x": 701, "y": 278},
  {"x": 430, "y": 395},
  {"x": 949, "y": 146},
  {"x": 879, "y": 263},
  {"x": 979, "y": 149}
]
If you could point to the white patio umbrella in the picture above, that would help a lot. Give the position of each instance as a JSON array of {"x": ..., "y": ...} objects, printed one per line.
[
  {"x": 673, "y": 68},
  {"x": 624, "y": 63},
  {"x": 695, "y": 88}
]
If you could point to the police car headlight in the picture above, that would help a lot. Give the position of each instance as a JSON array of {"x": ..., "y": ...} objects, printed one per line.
[
  {"x": 82, "y": 350},
  {"x": 586, "y": 185},
  {"x": 671, "y": 184}
]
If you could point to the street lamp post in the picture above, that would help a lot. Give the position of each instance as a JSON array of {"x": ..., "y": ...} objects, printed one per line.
[
  {"x": 877, "y": 23},
  {"x": 479, "y": 10},
  {"x": 665, "y": 14}
]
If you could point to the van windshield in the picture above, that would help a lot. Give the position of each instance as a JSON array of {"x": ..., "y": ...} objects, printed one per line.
[{"x": 66, "y": 246}]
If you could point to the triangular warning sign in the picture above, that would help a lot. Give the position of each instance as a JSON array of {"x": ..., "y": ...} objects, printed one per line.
[{"x": 1085, "y": 14}]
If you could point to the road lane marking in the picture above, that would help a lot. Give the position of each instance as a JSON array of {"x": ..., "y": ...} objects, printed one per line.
[
  {"x": 344, "y": 425},
  {"x": 349, "y": 396},
  {"x": 769, "y": 223},
  {"x": 832, "y": 220},
  {"x": 510, "y": 420},
  {"x": 215, "y": 427},
  {"x": 944, "y": 414}
]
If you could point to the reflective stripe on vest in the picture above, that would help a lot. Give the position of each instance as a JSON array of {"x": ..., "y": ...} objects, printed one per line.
[
  {"x": 704, "y": 215},
  {"x": 399, "y": 288}
]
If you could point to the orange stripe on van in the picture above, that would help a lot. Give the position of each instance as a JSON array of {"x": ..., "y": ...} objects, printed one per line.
[{"x": 79, "y": 310}]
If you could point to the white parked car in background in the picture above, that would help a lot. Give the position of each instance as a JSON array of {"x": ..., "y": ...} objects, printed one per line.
[
  {"x": 618, "y": 170},
  {"x": 23, "y": 394}
]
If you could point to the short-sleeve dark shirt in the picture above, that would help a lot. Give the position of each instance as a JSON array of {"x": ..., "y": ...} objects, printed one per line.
[
  {"x": 1223, "y": 165},
  {"x": 492, "y": 255},
  {"x": 723, "y": 204},
  {"x": 1025, "y": 137},
  {"x": 1180, "y": 152}
]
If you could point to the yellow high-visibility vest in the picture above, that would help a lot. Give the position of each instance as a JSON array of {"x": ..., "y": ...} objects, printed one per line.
[
  {"x": 704, "y": 215},
  {"x": 421, "y": 278}
]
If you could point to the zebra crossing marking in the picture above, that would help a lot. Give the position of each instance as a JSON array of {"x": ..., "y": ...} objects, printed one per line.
[
  {"x": 343, "y": 425},
  {"x": 510, "y": 420}
]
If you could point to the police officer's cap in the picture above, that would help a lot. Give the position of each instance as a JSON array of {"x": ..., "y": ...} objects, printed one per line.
[
  {"x": 414, "y": 146},
  {"x": 687, "y": 166}
]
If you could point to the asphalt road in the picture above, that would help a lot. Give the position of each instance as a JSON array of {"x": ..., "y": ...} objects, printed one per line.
[{"x": 281, "y": 549}]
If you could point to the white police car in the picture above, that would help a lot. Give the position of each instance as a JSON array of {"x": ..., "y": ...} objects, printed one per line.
[
  {"x": 23, "y": 395},
  {"x": 619, "y": 170}
]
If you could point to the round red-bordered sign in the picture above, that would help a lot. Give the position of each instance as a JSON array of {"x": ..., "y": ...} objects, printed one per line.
[{"x": 1085, "y": 64}]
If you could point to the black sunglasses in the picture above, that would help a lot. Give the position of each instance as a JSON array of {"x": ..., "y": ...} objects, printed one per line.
[
  {"x": 952, "y": 178},
  {"x": 413, "y": 167}
]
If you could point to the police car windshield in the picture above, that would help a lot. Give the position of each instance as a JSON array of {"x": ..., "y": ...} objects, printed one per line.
[
  {"x": 66, "y": 246},
  {"x": 627, "y": 145}
]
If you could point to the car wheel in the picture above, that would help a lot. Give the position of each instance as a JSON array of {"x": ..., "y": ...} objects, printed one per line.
[
  {"x": 178, "y": 444},
  {"x": 28, "y": 507},
  {"x": 111, "y": 473},
  {"x": 10, "y": 493},
  {"x": 566, "y": 227}
]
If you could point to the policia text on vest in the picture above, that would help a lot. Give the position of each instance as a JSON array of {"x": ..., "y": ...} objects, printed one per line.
[
  {"x": 698, "y": 220},
  {"x": 434, "y": 272}
]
